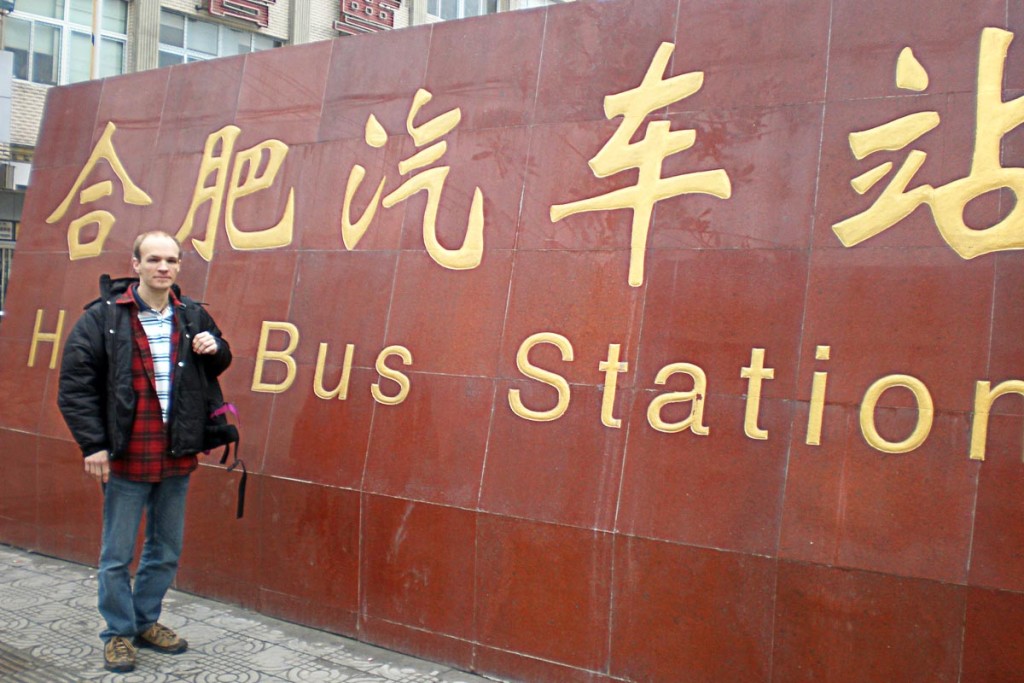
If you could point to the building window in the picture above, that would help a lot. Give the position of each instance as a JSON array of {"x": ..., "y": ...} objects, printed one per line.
[
  {"x": 457, "y": 9},
  {"x": 187, "y": 39},
  {"x": 51, "y": 40}
]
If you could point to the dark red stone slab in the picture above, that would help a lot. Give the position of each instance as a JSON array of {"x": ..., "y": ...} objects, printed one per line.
[
  {"x": 375, "y": 75},
  {"x": 868, "y": 36},
  {"x": 719, "y": 39},
  {"x": 907, "y": 514},
  {"x": 722, "y": 490},
  {"x": 439, "y": 648},
  {"x": 320, "y": 525},
  {"x": 206, "y": 99},
  {"x": 996, "y": 557},
  {"x": 222, "y": 553},
  {"x": 19, "y": 488},
  {"x": 882, "y": 314},
  {"x": 71, "y": 114},
  {"x": 770, "y": 156},
  {"x": 533, "y": 471},
  {"x": 593, "y": 50},
  {"x": 411, "y": 453},
  {"x": 281, "y": 95},
  {"x": 710, "y": 621},
  {"x": 450, "y": 320},
  {"x": 851, "y": 626},
  {"x": 258, "y": 287},
  {"x": 312, "y": 439},
  {"x": 581, "y": 296},
  {"x": 69, "y": 503},
  {"x": 491, "y": 75},
  {"x": 405, "y": 580},
  {"x": 543, "y": 590},
  {"x": 992, "y": 643},
  {"x": 711, "y": 308}
]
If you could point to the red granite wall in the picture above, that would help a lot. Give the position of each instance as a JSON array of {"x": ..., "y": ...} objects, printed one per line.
[{"x": 754, "y": 462}]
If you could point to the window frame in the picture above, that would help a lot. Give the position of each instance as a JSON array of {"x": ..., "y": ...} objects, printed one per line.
[
  {"x": 490, "y": 7},
  {"x": 65, "y": 29},
  {"x": 225, "y": 34}
]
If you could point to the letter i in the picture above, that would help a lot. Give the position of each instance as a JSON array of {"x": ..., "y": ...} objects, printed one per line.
[{"x": 817, "y": 406}]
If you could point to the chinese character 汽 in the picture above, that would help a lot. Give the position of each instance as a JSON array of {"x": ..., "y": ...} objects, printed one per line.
[{"x": 431, "y": 181}]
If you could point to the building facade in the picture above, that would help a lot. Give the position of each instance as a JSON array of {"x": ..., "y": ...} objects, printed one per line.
[{"x": 49, "y": 42}]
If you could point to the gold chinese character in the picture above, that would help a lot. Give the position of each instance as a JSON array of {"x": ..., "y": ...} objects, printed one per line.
[
  {"x": 217, "y": 159},
  {"x": 994, "y": 119},
  {"x": 647, "y": 155},
  {"x": 431, "y": 181},
  {"x": 103, "y": 220}
]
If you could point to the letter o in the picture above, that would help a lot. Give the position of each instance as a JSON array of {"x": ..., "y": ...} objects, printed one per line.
[{"x": 925, "y": 411}]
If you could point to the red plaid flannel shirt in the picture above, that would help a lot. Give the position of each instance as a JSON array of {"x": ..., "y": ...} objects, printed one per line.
[{"x": 147, "y": 458}]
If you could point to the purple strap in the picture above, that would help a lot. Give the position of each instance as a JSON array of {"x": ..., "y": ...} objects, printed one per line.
[{"x": 226, "y": 408}]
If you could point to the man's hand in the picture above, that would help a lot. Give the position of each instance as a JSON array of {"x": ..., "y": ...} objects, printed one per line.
[
  {"x": 97, "y": 466},
  {"x": 204, "y": 343}
]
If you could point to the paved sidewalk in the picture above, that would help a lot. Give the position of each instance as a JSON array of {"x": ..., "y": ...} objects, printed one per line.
[{"x": 49, "y": 630}]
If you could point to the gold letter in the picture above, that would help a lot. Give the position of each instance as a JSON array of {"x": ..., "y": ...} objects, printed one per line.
[
  {"x": 262, "y": 356},
  {"x": 394, "y": 375},
  {"x": 611, "y": 368},
  {"x": 340, "y": 391},
  {"x": 51, "y": 337},
  {"x": 817, "y": 399},
  {"x": 695, "y": 420},
  {"x": 924, "y": 410},
  {"x": 545, "y": 376},
  {"x": 984, "y": 395},
  {"x": 755, "y": 373}
]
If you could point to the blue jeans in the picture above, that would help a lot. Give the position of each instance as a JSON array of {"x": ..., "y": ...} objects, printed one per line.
[{"x": 127, "y": 611}]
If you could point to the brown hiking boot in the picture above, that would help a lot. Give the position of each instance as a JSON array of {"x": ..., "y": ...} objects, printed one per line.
[
  {"x": 119, "y": 655},
  {"x": 161, "y": 639}
]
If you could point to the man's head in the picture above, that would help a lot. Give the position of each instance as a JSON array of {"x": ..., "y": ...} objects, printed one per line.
[{"x": 156, "y": 257}]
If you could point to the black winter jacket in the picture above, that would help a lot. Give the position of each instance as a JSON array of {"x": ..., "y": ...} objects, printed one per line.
[{"x": 96, "y": 396}]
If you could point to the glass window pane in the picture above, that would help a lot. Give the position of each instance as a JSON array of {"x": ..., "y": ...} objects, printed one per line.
[
  {"x": 78, "y": 60},
  {"x": 169, "y": 59},
  {"x": 434, "y": 7},
  {"x": 492, "y": 6},
  {"x": 16, "y": 38},
  {"x": 80, "y": 12},
  {"x": 202, "y": 37},
  {"x": 46, "y": 8},
  {"x": 115, "y": 16},
  {"x": 263, "y": 43},
  {"x": 471, "y": 8},
  {"x": 172, "y": 29},
  {"x": 236, "y": 42},
  {"x": 45, "y": 54},
  {"x": 111, "y": 58},
  {"x": 449, "y": 9}
]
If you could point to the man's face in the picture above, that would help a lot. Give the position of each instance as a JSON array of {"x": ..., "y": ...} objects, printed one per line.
[{"x": 158, "y": 264}]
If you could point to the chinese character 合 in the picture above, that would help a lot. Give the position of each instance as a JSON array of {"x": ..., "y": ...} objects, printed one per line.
[
  {"x": 647, "y": 156},
  {"x": 994, "y": 119},
  {"x": 432, "y": 180},
  {"x": 103, "y": 220}
]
